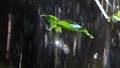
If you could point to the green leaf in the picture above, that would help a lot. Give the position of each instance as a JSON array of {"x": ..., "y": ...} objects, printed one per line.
[
  {"x": 66, "y": 25},
  {"x": 85, "y": 31},
  {"x": 70, "y": 21},
  {"x": 118, "y": 14},
  {"x": 57, "y": 29},
  {"x": 73, "y": 24},
  {"x": 77, "y": 28},
  {"x": 51, "y": 19},
  {"x": 115, "y": 18},
  {"x": 91, "y": 36}
]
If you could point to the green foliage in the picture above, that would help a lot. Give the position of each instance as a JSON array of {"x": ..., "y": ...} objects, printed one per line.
[
  {"x": 116, "y": 17},
  {"x": 118, "y": 14},
  {"x": 66, "y": 24},
  {"x": 51, "y": 19},
  {"x": 113, "y": 18}
]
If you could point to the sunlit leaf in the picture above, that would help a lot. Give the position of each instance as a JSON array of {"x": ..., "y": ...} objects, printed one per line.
[
  {"x": 51, "y": 19},
  {"x": 74, "y": 27},
  {"x": 118, "y": 14},
  {"x": 57, "y": 29},
  {"x": 66, "y": 25},
  {"x": 73, "y": 24}
]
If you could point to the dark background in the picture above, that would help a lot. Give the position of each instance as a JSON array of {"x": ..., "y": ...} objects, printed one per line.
[{"x": 28, "y": 45}]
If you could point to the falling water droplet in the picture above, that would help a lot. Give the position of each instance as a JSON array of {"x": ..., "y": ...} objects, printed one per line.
[
  {"x": 59, "y": 9},
  {"x": 95, "y": 56},
  {"x": 58, "y": 43},
  {"x": 66, "y": 50}
]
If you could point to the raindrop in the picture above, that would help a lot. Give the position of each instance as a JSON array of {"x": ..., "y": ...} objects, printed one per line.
[
  {"x": 95, "y": 56},
  {"x": 58, "y": 43},
  {"x": 46, "y": 40},
  {"x": 117, "y": 6},
  {"x": 66, "y": 50},
  {"x": 59, "y": 9}
]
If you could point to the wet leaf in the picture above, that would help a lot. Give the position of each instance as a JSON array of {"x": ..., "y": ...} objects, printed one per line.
[
  {"x": 115, "y": 18},
  {"x": 57, "y": 29},
  {"x": 73, "y": 24},
  {"x": 85, "y": 31},
  {"x": 70, "y": 21},
  {"x": 74, "y": 27},
  {"x": 51, "y": 19},
  {"x": 67, "y": 24}
]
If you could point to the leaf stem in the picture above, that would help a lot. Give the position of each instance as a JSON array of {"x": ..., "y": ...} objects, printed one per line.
[{"x": 52, "y": 27}]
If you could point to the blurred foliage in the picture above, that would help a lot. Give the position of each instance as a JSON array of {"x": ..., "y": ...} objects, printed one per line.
[
  {"x": 116, "y": 17},
  {"x": 66, "y": 24}
]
